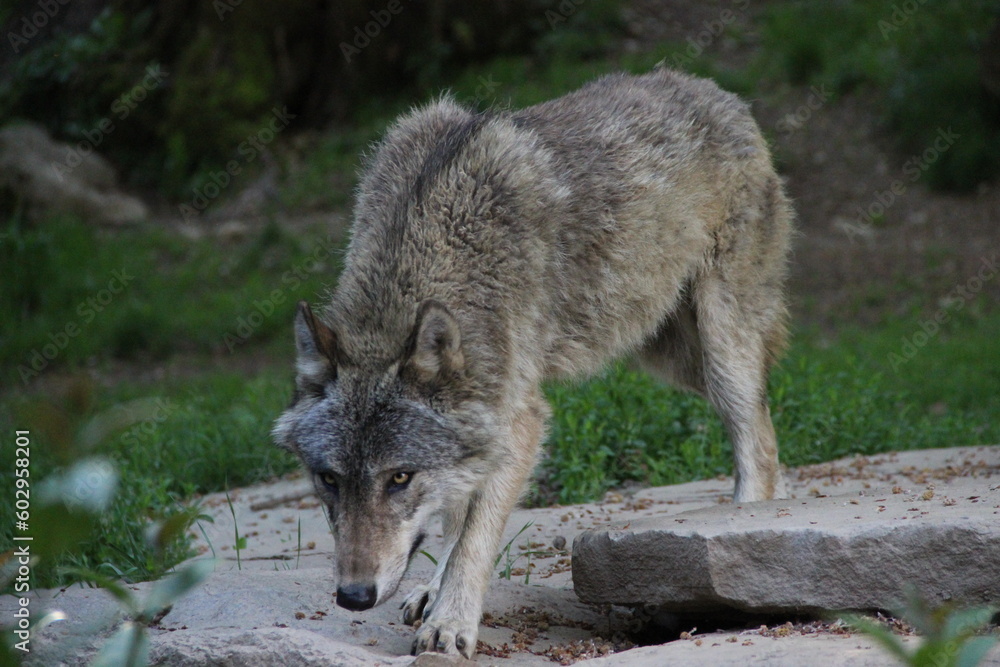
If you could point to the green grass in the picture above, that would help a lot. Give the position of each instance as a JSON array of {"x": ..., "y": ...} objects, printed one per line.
[
  {"x": 829, "y": 399},
  {"x": 832, "y": 396},
  {"x": 74, "y": 295},
  {"x": 826, "y": 403},
  {"x": 204, "y": 434}
]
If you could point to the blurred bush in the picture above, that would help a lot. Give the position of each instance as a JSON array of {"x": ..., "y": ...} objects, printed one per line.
[
  {"x": 930, "y": 66},
  {"x": 228, "y": 63}
]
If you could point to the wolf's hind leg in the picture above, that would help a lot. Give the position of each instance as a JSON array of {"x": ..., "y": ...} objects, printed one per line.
[
  {"x": 418, "y": 603},
  {"x": 452, "y": 623},
  {"x": 738, "y": 345}
]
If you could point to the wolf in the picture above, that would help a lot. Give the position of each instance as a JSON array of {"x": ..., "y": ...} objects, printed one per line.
[{"x": 639, "y": 216}]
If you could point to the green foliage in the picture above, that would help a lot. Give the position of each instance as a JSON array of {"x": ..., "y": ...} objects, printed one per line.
[
  {"x": 194, "y": 437},
  {"x": 41, "y": 79},
  {"x": 63, "y": 274},
  {"x": 830, "y": 43},
  {"x": 215, "y": 104},
  {"x": 68, "y": 508},
  {"x": 578, "y": 31},
  {"x": 940, "y": 87},
  {"x": 957, "y": 371},
  {"x": 326, "y": 174},
  {"x": 922, "y": 65},
  {"x": 505, "y": 555},
  {"x": 240, "y": 543},
  {"x": 626, "y": 427},
  {"x": 227, "y": 65},
  {"x": 950, "y": 636}
]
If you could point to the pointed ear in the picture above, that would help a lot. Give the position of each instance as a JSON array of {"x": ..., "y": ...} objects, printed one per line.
[
  {"x": 315, "y": 342},
  {"x": 436, "y": 343}
]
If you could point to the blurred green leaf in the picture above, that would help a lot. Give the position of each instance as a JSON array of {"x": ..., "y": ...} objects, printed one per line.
[
  {"x": 126, "y": 598},
  {"x": 974, "y": 650},
  {"x": 129, "y": 647},
  {"x": 171, "y": 588},
  {"x": 88, "y": 486}
]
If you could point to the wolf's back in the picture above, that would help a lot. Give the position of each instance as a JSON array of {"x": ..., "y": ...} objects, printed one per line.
[{"x": 594, "y": 209}]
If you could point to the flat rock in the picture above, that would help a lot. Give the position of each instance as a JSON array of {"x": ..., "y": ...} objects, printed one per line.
[
  {"x": 290, "y": 617},
  {"x": 260, "y": 647},
  {"x": 859, "y": 550},
  {"x": 751, "y": 648},
  {"x": 273, "y": 603}
]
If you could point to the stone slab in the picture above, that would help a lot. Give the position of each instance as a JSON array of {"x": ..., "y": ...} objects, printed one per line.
[
  {"x": 751, "y": 648},
  {"x": 277, "y": 599},
  {"x": 858, "y": 550}
]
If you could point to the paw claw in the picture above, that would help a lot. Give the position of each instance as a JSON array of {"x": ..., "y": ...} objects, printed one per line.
[
  {"x": 447, "y": 636},
  {"x": 417, "y": 605}
]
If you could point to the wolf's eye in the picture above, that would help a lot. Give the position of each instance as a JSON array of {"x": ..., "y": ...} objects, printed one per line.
[
  {"x": 399, "y": 481},
  {"x": 329, "y": 480}
]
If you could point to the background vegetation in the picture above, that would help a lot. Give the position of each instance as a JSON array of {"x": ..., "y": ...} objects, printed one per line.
[{"x": 202, "y": 329}]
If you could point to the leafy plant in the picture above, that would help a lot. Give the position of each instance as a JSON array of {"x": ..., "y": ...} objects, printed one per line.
[
  {"x": 84, "y": 456},
  {"x": 129, "y": 646},
  {"x": 505, "y": 553},
  {"x": 68, "y": 508},
  {"x": 951, "y": 637},
  {"x": 240, "y": 542}
]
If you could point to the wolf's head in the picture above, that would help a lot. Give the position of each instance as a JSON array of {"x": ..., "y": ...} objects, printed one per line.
[{"x": 386, "y": 443}]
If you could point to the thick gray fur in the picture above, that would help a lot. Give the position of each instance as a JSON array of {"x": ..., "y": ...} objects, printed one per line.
[{"x": 639, "y": 215}]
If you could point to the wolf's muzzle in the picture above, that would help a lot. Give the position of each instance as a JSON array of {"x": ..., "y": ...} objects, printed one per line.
[{"x": 357, "y": 597}]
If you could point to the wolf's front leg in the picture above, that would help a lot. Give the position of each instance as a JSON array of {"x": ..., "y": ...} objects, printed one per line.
[
  {"x": 418, "y": 603},
  {"x": 452, "y": 623}
]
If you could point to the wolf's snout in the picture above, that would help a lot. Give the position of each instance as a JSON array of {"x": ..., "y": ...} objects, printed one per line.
[{"x": 357, "y": 597}]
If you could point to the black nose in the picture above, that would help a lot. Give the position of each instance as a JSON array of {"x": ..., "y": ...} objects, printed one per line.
[{"x": 356, "y": 597}]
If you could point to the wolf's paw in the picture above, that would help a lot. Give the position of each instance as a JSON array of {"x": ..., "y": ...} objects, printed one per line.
[
  {"x": 780, "y": 488},
  {"x": 419, "y": 601},
  {"x": 446, "y": 636}
]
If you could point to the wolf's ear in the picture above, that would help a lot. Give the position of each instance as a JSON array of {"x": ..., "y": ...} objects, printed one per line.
[
  {"x": 315, "y": 342},
  {"x": 436, "y": 343}
]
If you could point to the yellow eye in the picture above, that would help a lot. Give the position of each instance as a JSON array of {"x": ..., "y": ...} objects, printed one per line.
[
  {"x": 401, "y": 478},
  {"x": 328, "y": 479}
]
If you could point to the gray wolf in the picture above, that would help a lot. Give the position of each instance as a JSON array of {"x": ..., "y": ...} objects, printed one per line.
[{"x": 639, "y": 215}]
